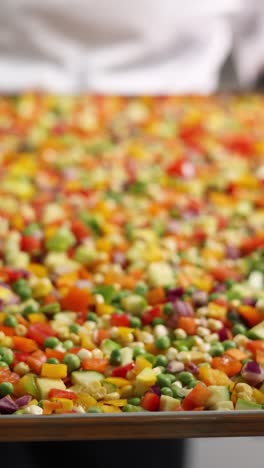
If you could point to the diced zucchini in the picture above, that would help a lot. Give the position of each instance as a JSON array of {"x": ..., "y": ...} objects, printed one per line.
[
  {"x": 257, "y": 332},
  {"x": 84, "y": 378},
  {"x": 218, "y": 394},
  {"x": 107, "y": 346},
  {"x": 168, "y": 403},
  {"x": 45, "y": 385},
  {"x": 160, "y": 274},
  {"x": 243, "y": 405},
  {"x": 223, "y": 406},
  {"x": 134, "y": 304}
]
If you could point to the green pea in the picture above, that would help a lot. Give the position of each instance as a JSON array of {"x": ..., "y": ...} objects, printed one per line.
[
  {"x": 53, "y": 308},
  {"x": 217, "y": 349},
  {"x": 92, "y": 317},
  {"x": 30, "y": 309},
  {"x": 229, "y": 344},
  {"x": 239, "y": 329},
  {"x": 53, "y": 360},
  {"x": 171, "y": 377},
  {"x": 229, "y": 283},
  {"x": 22, "y": 289},
  {"x": 141, "y": 289},
  {"x": 167, "y": 391},
  {"x": 72, "y": 361},
  {"x": 115, "y": 357},
  {"x": 131, "y": 409},
  {"x": 161, "y": 360},
  {"x": 10, "y": 321},
  {"x": 67, "y": 344},
  {"x": 6, "y": 388},
  {"x": 162, "y": 342},
  {"x": 185, "y": 377},
  {"x": 94, "y": 409},
  {"x": 157, "y": 321},
  {"x": 192, "y": 384},
  {"x": 3, "y": 364},
  {"x": 51, "y": 342},
  {"x": 137, "y": 351},
  {"x": 163, "y": 380},
  {"x": 246, "y": 360},
  {"x": 135, "y": 401},
  {"x": 168, "y": 308},
  {"x": 180, "y": 346},
  {"x": 177, "y": 392},
  {"x": 135, "y": 322},
  {"x": 74, "y": 328},
  {"x": 40, "y": 403},
  {"x": 214, "y": 296},
  {"x": 6, "y": 355},
  {"x": 150, "y": 357}
]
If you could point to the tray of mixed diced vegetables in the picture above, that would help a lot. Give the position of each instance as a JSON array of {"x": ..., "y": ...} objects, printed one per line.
[{"x": 131, "y": 265}]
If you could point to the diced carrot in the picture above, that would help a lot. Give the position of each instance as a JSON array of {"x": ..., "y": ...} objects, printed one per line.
[
  {"x": 260, "y": 356},
  {"x": 102, "y": 334},
  {"x": 8, "y": 331},
  {"x": 50, "y": 406},
  {"x": 95, "y": 364},
  {"x": 227, "y": 364},
  {"x": 156, "y": 296},
  {"x": 188, "y": 324},
  {"x": 24, "y": 344},
  {"x": 236, "y": 354}
]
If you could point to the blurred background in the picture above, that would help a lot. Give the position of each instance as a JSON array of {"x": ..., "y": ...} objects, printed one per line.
[{"x": 139, "y": 47}]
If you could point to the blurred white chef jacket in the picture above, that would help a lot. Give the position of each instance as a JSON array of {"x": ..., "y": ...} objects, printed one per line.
[{"x": 128, "y": 46}]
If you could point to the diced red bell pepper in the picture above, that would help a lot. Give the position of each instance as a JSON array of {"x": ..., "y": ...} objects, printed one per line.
[
  {"x": 149, "y": 315},
  {"x": 40, "y": 331},
  {"x": 30, "y": 244},
  {"x": 35, "y": 361},
  {"x": 8, "y": 331},
  {"x": 24, "y": 344},
  {"x": 120, "y": 320},
  {"x": 222, "y": 273},
  {"x": 251, "y": 244},
  {"x": 181, "y": 168},
  {"x": 122, "y": 371},
  {"x": 80, "y": 230},
  {"x": 54, "y": 353},
  {"x": 197, "y": 397},
  {"x": 250, "y": 314},
  {"x": 150, "y": 401},
  {"x": 57, "y": 393},
  {"x": 242, "y": 144}
]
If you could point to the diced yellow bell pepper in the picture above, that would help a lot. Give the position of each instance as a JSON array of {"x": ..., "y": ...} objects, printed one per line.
[
  {"x": 216, "y": 311},
  {"x": 2, "y": 317},
  {"x": 33, "y": 402},
  {"x": 109, "y": 408},
  {"x": 118, "y": 403},
  {"x": 124, "y": 332},
  {"x": 258, "y": 396},
  {"x": 67, "y": 405},
  {"x": 213, "y": 376},
  {"x": 118, "y": 381},
  {"x": 86, "y": 401},
  {"x": 87, "y": 343},
  {"x": 38, "y": 270},
  {"x": 142, "y": 363},
  {"x": 54, "y": 371},
  {"x": 145, "y": 380},
  {"x": 35, "y": 317},
  {"x": 104, "y": 309}
]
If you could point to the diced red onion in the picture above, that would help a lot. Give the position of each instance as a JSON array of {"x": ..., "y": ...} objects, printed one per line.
[
  {"x": 249, "y": 301},
  {"x": 219, "y": 288},
  {"x": 252, "y": 373},
  {"x": 175, "y": 366},
  {"x": 183, "y": 309},
  {"x": 232, "y": 252},
  {"x": 7, "y": 405},
  {"x": 191, "y": 367},
  {"x": 155, "y": 389},
  {"x": 173, "y": 294},
  {"x": 200, "y": 298},
  {"x": 223, "y": 334},
  {"x": 23, "y": 401}
]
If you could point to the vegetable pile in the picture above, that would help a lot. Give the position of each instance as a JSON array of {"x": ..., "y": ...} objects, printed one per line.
[{"x": 131, "y": 254}]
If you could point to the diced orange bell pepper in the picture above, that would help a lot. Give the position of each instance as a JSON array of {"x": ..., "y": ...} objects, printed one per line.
[
  {"x": 188, "y": 324},
  {"x": 77, "y": 300},
  {"x": 24, "y": 344},
  {"x": 250, "y": 314},
  {"x": 197, "y": 397},
  {"x": 229, "y": 365},
  {"x": 95, "y": 364},
  {"x": 35, "y": 361},
  {"x": 213, "y": 376},
  {"x": 156, "y": 296},
  {"x": 54, "y": 371},
  {"x": 8, "y": 331},
  {"x": 49, "y": 407},
  {"x": 236, "y": 354},
  {"x": 54, "y": 353}
]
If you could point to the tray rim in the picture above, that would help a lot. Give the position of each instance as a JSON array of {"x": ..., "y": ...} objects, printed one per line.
[{"x": 165, "y": 425}]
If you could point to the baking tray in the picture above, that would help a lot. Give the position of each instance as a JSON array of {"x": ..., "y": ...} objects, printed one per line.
[{"x": 165, "y": 425}]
